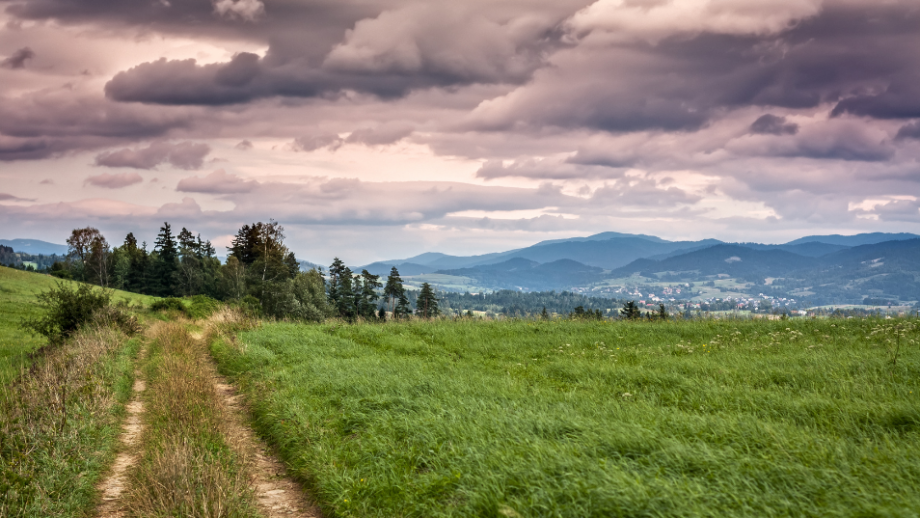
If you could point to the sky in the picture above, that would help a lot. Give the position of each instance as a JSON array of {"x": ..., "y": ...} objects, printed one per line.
[{"x": 381, "y": 129}]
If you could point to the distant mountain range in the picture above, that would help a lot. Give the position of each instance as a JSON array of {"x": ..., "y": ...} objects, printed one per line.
[
  {"x": 34, "y": 246},
  {"x": 822, "y": 269},
  {"x": 825, "y": 269}
]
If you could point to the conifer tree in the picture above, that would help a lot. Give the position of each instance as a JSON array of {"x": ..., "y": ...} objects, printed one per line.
[
  {"x": 427, "y": 304},
  {"x": 403, "y": 309},
  {"x": 346, "y": 303},
  {"x": 394, "y": 292},
  {"x": 336, "y": 270},
  {"x": 630, "y": 310},
  {"x": 165, "y": 266},
  {"x": 368, "y": 298}
]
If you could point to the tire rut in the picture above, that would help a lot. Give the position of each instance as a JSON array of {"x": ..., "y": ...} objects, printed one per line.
[{"x": 114, "y": 485}]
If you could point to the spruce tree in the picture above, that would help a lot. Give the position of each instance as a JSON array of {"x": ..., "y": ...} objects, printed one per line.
[
  {"x": 393, "y": 292},
  {"x": 427, "y": 304},
  {"x": 166, "y": 266},
  {"x": 336, "y": 270},
  {"x": 346, "y": 297},
  {"x": 403, "y": 309},
  {"x": 368, "y": 299},
  {"x": 630, "y": 310}
]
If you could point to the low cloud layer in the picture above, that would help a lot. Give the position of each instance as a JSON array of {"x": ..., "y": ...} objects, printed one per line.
[
  {"x": 181, "y": 155},
  {"x": 114, "y": 180},
  {"x": 18, "y": 59}
]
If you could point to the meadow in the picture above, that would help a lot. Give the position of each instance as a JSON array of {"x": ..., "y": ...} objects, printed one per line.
[
  {"x": 17, "y": 301},
  {"x": 563, "y": 418}
]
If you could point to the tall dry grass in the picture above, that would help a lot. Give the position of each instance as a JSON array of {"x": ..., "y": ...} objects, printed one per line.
[
  {"x": 58, "y": 422},
  {"x": 188, "y": 468}
]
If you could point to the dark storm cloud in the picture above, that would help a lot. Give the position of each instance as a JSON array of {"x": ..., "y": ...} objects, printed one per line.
[
  {"x": 770, "y": 124},
  {"x": 18, "y": 59},
  {"x": 909, "y": 131},
  {"x": 52, "y": 122},
  {"x": 182, "y": 155},
  {"x": 685, "y": 80}
]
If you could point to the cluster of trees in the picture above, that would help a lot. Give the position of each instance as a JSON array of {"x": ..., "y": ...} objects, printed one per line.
[
  {"x": 28, "y": 262},
  {"x": 520, "y": 304},
  {"x": 260, "y": 273}
]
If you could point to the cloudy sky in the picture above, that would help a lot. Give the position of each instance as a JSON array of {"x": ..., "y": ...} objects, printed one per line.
[{"x": 375, "y": 129}]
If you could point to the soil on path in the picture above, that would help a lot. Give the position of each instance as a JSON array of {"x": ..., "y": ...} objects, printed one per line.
[
  {"x": 114, "y": 485},
  {"x": 277, "y": 495}
]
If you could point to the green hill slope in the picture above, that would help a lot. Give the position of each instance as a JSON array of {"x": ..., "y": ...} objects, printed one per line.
[{"x": 17, "y": 301}]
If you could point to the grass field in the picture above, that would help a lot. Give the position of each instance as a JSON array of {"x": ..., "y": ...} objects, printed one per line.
[
  {"x": 17, "y": 301},
  {"x": 711, "y": 418}
]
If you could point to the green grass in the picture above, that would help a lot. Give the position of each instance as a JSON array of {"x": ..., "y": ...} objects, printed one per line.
[
  {"x": 52, "y": 454},
  {"x": 711, "y": 418},
  {"x": 187, "y": 467},
  {"x": 17, "y": 301}
]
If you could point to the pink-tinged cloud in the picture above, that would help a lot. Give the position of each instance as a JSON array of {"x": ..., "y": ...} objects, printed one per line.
[
  {"x": 188, "y": 208},
  {"x": 18, "y": 59},
  {"x": 218, "y": 182},
  {"x": 182, "y": 155},
  {"x": 9, "y": 197},
  {"x": 114, "y": 180}
]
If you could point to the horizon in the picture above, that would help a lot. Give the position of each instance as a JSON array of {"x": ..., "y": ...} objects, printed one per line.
[
  {"x": 391, "y": 128},
  {"x": 406, "y": 258}
]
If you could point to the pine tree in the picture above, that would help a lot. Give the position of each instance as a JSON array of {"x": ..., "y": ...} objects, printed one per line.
[
  {"x": 346, "y": 303},
  {"x": 368, "y": 299},
  {"x": 630, "y": 310},
  {"x": 427, "y": 304},
  {"x": 393, "y": 292},
  {"x": 403, "y": 309},
  {"x": 544, "y": 315},
  {"x": 188, "y": 246},
  {"x": 662, "y": 312},
  {"x": 336, "y": 270},
  {"x": 165, "y": 266}
]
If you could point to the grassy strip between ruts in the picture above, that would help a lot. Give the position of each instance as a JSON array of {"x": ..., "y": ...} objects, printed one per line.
[
  {"x": 186, "y": 467},
  {"x": 711, "y": 418},
  {"x": 59, "y": 423}
]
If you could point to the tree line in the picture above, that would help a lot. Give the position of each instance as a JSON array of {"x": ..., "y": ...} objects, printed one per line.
[{"x": 260, "y": 273}]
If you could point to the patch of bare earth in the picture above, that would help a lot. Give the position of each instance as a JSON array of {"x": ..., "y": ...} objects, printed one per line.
[
  {"x": 114, "y": 485},
  {"x": 277, "y": 495}
]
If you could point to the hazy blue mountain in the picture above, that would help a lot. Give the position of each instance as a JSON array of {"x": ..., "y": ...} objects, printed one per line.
[
  {"x": 608, "y": 253},
  {"x": 733, "y": 260},
  {"x": 521, "y": 273},
  {"x": 405, "y": 269},
  {"x": 603, "y": 236},
  {"x": 809, "y": 249},
  {"x": 855, "y": 240},
  {"x": 34, "y": 246}
]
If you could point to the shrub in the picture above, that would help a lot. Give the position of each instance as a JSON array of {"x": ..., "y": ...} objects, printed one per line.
[
  {"x": 168, "y": 304},
  {"x": 201, "y": 306},
  {"x": 67, "y": 310}
]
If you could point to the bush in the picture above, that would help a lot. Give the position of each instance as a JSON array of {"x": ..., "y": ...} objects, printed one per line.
[
  {"x": 201, "y": 306},
  {"x": 67, "y": 310},
  {"x": 168, "y": 304}
]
